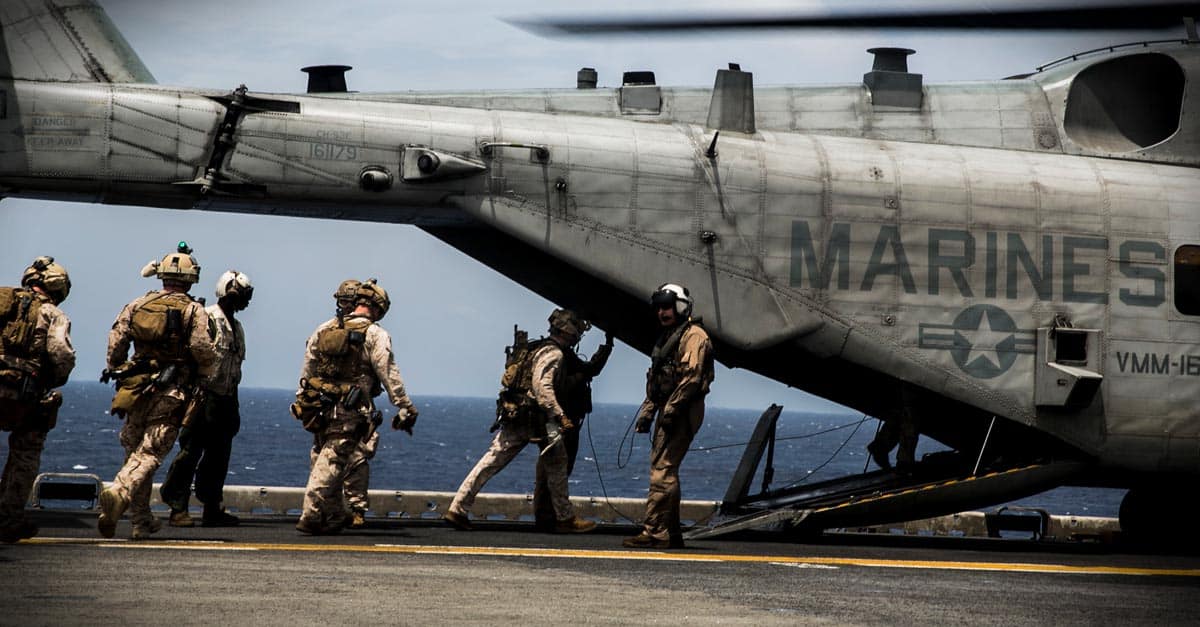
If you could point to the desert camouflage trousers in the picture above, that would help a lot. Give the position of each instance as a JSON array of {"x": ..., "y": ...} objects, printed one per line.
[
  {"x": 358, "y": 474},
  {"x": 509, "y": 441},
  {"x": 667, "y": 450},
  {"x": 150, "y": 431},
  {"x": 25, "y": 445}
]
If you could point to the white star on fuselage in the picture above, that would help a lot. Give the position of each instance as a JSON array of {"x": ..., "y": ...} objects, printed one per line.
[{"x": 984, "y": 341}]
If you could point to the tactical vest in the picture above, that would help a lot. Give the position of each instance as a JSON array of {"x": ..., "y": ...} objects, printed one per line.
[
  {"x": 162, "y": 328},
  {"x": 663, "y": 377},
  {"x": 516, "y": 402},
  {"x": 340, "y": 351},
  {"x": 22, "y": 343},
  {"x": 576, "y": 394}
]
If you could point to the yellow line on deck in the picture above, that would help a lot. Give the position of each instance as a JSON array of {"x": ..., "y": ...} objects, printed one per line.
[{"x": 483, "y": 551}]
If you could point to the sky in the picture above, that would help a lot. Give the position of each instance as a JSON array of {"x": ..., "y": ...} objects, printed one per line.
[{"x": 451, "y": 316}]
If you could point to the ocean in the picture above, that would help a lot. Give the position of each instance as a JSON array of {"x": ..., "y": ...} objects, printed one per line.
[{"x": 452, "y": 433}]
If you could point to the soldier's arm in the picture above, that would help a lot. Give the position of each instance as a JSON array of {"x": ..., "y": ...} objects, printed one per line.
[
  {"x": 58, "y": 345},
  {"x": 119, "y": 338},
  {"x": 308, "y": 368},
  {"x": 383, "y": 362},
  {"x": 694, "y": 349},
  {"x": 546, "y": 363},
  {"x": 200, "y": 344},
  {"x": 593, "y": 366}
]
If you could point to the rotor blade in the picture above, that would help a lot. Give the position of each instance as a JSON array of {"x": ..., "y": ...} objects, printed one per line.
[{"x": 1154, "y": 15}]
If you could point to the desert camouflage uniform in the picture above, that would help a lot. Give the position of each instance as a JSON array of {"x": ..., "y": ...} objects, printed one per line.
[
  {"x": 204, "y": 446},
  {"x": 679, "y": 418},
  {"x": 575, "y": 392},
  {"x": 347, "y": 429},
  {"x": 358, "y": 474},
  {"x": 153, "y": 423},
  {"x": 513, "y": 436},
  {"x": 30, "y": 420}
]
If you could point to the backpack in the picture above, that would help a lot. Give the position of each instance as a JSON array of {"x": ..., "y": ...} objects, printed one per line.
[
  {"x": 516, "y": 402},
  {"x": 18, "y": 322}
]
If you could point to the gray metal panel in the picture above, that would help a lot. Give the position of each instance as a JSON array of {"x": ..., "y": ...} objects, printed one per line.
[{"x": 65, "y": 40}]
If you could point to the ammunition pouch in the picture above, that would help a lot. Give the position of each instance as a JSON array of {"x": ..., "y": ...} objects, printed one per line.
[
  {"x": 516, "y": 409},
  {"x": 130, "y": 389},
  {"x": 315, "y": 400},
  {"x": 22, "y": 386},
  {"x": 47, "y": 412}
]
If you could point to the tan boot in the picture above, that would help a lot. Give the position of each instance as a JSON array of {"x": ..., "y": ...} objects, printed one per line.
[
  {"x": 574, "y": 524},
  {"x": 358, "y": 519},
  {"x": 181, "y": 519},
  {"x": 458, "y": 521},
  {"x": 112, "y": 507},
  {"x": 646, "y": 541},
  {"x": 142, "y": 531}
]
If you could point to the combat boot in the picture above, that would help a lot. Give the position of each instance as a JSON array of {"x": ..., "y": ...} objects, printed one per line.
[
  {"x": 181, "y": 519},
  {"x": 144, "y": 530},
  {"x": 112, "y": 507},
  {"x": 216, "y": 516},
  {"x": 574, "y": 524},
  {"x": 458, "y": 521},
  {"x": 358, "y": 519},
  {"x": 880, "y": 457},
  {"x": 645, "y": 541},
  {"x": 17, "y": 531}
]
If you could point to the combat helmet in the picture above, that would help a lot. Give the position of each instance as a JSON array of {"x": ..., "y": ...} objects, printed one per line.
[
  {"x": 670, "y": 294},
  {"x": 48, "y": 275},
  {"x": 568, "y": 323},
  {"x": 346, "y": 294},
  {"x": 236, "y": 286},
  {"x": 370, "y": 293},
  {"x": 177, "y": 266}
]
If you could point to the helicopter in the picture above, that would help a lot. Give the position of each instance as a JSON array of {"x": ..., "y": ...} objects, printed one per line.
[{"x": 1016, "y": 258}]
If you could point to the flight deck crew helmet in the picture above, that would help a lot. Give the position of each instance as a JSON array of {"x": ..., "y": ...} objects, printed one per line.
[
  {"x": 669, "y": 294},
  {"x": 50, "y": 276},
  {"x": 235, "y": 286},
  {"x": 370, "y": 293},
  {"x": 568, "y": 323},
  {"x": 177, "y": 266}
]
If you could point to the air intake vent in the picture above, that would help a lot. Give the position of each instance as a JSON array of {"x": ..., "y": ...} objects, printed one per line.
[
  {"x": 1126, "y": 103},
  {"x": 326, "y": 79}
]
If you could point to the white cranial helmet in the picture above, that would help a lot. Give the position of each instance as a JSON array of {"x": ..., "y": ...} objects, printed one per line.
[
  {"x": 671, "y": 294},
  {"x": 235, "y": 284}
]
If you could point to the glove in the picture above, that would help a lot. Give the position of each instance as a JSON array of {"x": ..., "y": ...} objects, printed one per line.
[
  {"x": 566, "y": 423},
  {"x": 608, "y": 339},
  {"x": 405, "y": 420}
]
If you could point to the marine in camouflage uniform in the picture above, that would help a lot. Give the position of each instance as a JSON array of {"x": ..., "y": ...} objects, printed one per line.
[
  {"x": 576, "y": 396},
  {"x": 544, "y": 386},
  {"x": 681, "y": 371},
  {"x": 172, "y": 354},
  {"x": 205, "y": 443},
  {"x": 348, "y": 361},
  {"x": 35, "y": 357}
]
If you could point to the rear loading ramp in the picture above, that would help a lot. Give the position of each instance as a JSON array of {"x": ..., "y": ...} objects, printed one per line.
[{"x": 941, "y": 483}]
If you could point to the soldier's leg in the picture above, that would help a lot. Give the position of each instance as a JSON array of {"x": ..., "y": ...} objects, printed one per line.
[
  {"x": 662, "y": 502},
  {"x": 156, "y": 444},
  {"x": 224, "y": 422},
  {"x": 553, "y": 465},
  {"x": 508, "y": 442},
  {"x": 25, "y": 446},
  {"x": 358, "y": 474},
  {"x": 177, "y": 486},
  {"x": 885, "y": 440},
  {"x": 908, "y": 436},
  {"x": 323, "y": 510}
]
